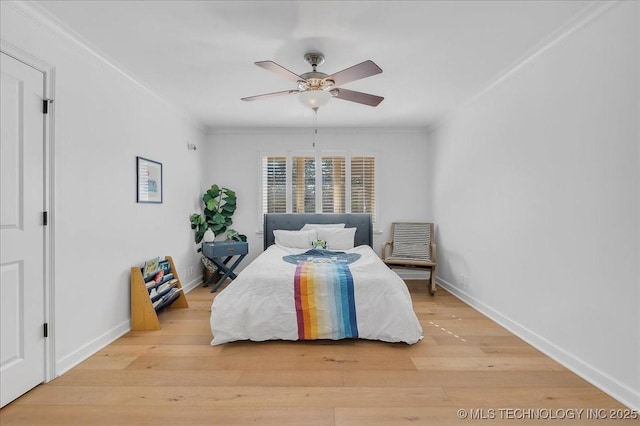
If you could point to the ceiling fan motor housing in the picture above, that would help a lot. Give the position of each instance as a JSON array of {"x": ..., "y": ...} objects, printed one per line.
[
  {"x": 314, "y": 80},
  {"x": 314, "y": 59}
]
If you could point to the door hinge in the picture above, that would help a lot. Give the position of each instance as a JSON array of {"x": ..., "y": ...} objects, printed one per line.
[
  {"x": 45, "y": 105},
  {"x": 46, "y": 329},
  {"x": 45, "y": 218}
]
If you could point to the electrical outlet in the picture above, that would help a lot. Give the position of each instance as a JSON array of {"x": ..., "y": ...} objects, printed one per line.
[{"x": 464, "y": 281}]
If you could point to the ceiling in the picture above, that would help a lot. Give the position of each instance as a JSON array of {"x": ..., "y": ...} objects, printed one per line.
[{"x": 199, "y": 55}]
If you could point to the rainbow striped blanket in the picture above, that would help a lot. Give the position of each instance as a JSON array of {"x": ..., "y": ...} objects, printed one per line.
[{"x": 325, "y": 300}]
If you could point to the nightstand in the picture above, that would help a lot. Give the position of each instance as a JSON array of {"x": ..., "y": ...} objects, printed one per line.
[{"x": 221, "y": 253}]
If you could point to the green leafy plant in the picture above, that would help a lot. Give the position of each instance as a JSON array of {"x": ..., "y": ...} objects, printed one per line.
[
  {"x": 233, "y": 235},
  {"x": 219, "y": 206}
]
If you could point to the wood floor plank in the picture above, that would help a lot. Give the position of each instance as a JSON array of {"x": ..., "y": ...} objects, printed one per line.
[
  {"x": 77, "y": 377},
  {"x": 536, "y": 397},
  {"x": 477, "y": 378},
  {"x": 170, "y": 350},
  {"x": 486, "y": 363},
  {"x": 327, "y": 378},
  {"x": 438, "y": 416},
  {"x": 173, "y": 376},
  {"x": 82, "y": 415},
  {"x": 236, "y": 396}
]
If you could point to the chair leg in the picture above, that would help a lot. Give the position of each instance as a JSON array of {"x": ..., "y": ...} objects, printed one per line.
[{"x": 432, "y": 281}]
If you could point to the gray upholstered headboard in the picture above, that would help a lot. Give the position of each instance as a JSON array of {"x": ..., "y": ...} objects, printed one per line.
[{"x": 295, "y": 221}]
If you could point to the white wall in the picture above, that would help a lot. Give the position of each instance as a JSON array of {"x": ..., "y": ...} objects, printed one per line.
[
  {"x": 234, "y": 158},
  {"x": 536, "y": 191},
  {"x": 103, "y": 120}
]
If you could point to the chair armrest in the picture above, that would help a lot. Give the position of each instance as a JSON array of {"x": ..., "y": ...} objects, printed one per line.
[
  {"x": 384, "y": 249},
  {"x": 433, "y": 252}
]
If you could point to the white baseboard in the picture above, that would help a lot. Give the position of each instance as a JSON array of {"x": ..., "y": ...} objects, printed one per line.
[
  {"x": 621, "y": 392},
  {"x": 67, "y": 362},
  {"x": 192, "y": 284}
]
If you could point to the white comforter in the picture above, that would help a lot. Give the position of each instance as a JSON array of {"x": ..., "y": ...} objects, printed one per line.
[{"x": 259, "y": 304}]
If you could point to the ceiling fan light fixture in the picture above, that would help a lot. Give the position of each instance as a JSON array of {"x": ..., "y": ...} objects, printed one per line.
[
  {"x": 327, "y": 84},
  {"x": 314, "y": 98}
]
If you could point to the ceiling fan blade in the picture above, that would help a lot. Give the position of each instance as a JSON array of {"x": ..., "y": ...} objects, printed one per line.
[
  {"x": 359, "y": 97},
  {"x": 279, "y": 69},
  {"x": 356, "y": 72},
  {"x": 269, "y": 95}
]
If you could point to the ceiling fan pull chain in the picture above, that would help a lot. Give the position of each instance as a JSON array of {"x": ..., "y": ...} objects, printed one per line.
[{"x": 315, "y": 125}]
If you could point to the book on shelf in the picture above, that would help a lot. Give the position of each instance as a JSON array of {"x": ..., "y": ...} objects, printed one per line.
[
  {"x": 154, "y": 281},
  {"x": 164, "y": 266},
  {"x": 151, "y": 266},
  {"x": 166, "y": 299}
]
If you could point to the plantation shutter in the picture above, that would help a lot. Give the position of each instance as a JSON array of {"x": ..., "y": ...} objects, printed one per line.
[
  {"x": 333, "y": 184},
  {"x": 303, "y": 184},
  {"x": 363, "y": 196},
  {"x": 274, "y": 186},
  {"x": 320, "y": 182}
]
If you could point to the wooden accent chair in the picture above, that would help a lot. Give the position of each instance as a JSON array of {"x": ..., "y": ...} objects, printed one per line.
[{"x": 412, "y": 247}]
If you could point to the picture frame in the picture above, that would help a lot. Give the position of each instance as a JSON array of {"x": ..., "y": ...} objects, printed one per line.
[{"x": 148, "y": 181}]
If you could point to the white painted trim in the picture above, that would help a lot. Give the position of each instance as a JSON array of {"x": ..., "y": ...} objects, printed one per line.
[
  {"x": 49, "y": 22},
  {"x": 588, "y": 15},
  {"x": 73, "y": 359},
  {"x": 606, "y": 383},
  {"x": 583, "y": 18},
  {"x": 48, "y": 72},
  {"x": 194, "y": 283},
  {"x": 307, "y": 131}
]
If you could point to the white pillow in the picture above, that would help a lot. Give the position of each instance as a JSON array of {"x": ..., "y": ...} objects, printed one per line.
[
  {"x": 308, "y": 226},
  {"x": 337, "y": 239},
  {"x": 294, "y": 239}
]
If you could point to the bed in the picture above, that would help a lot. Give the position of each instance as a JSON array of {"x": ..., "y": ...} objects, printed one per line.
[{"x": 318, "y": 278}]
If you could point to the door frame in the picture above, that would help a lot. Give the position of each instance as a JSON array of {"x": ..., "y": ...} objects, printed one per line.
[{"x": 48, "y": 72}]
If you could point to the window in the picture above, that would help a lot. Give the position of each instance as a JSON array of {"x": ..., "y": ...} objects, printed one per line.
[
  {"x": 333, "y": 184},
  {"x": 274, "y": 186},
  {"x": 303, "y": 184},
  {"x": 363, "y": 188},
  {"x": 318, "y": 182}
]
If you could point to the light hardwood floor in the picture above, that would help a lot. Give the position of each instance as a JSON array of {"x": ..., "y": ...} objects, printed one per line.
[{"x": 174, "y": 377}]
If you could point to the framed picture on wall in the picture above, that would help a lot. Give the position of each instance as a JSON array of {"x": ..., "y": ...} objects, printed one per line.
[{"x": 149, "y": 181}]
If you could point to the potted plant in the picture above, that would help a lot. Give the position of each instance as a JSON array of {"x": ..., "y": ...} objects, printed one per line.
[{"x": 219, "y": 206}]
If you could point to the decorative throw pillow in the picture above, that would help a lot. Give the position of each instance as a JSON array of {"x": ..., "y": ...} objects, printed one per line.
[
  {"x": 337, "y": 239},
  {"x": 294, "y": 239},
  {"x": 317, "y": 226}
]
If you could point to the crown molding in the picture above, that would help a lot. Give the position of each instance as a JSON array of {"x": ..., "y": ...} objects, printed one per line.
[
  {"x": 321, "y": 130},
  {"x": 42, "y": 17},
  {"x": 583, "y": 18}
]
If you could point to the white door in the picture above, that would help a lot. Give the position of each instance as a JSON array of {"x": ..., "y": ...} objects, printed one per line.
[{"x": 22, "y": 232}]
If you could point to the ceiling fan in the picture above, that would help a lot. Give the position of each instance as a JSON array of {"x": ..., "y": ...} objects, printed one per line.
[{"x": 316, "y": 88}]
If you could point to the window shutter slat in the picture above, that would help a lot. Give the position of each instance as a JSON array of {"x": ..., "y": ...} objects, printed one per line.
[
  {"x": 297, "y": 174},
  {"x": 303, "y": 181},
  {"x": 274, "y": 189},
  {"x": 363, "y": 196},
  {"x": 333, "y": 185}
]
